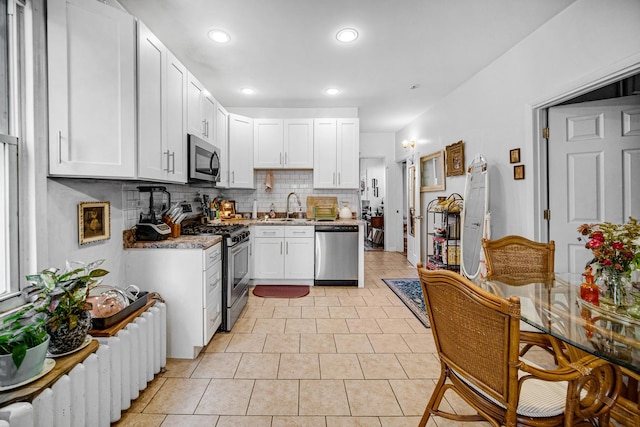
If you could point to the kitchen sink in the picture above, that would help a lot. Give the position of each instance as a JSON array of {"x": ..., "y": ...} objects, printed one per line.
[{"x": 287, "y": 220}]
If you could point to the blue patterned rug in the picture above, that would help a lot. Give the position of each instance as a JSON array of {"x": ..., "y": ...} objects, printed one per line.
[{"x": 410, "y": 292}]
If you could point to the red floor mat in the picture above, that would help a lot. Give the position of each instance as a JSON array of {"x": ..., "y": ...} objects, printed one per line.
[{"x": 280, "y": 291}]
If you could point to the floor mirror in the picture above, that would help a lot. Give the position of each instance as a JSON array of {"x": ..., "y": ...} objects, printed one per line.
[{"x": 476, "y": 203}]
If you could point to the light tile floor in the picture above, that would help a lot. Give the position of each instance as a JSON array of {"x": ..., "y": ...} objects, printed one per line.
[{"x": 341, "y": 356}]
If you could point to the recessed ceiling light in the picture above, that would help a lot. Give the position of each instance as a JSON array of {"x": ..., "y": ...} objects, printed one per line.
[
  {"x": 248, "y": 91},
  {"x": 347, "y": 35},
  {"x": 332, "y": 91},
  {"x": 219, "y": 36}
]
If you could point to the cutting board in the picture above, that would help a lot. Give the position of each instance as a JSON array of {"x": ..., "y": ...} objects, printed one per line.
[{"x": 313, "y": 201}]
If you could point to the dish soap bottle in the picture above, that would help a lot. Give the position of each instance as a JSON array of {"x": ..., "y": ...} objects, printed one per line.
[
  {"x": 272, "y": 211},
  {"x": 345, "y": 212}
]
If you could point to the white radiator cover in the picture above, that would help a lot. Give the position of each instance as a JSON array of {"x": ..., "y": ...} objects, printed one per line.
[{"x": 121, "y": 368}]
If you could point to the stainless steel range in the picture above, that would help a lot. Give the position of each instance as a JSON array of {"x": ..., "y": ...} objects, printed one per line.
[{"x": 235, "y": 266}]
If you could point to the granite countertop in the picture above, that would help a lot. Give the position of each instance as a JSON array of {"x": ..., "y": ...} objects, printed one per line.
[
  {"x": 278, "y": 221},
  {"x": 182, "y": 242}
]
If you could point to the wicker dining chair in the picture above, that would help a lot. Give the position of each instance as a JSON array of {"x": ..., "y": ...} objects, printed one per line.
[
  {"x": 517, "y": 255},
  {"x": 627, "y": 408},
  {"x": 477, "y": 337}
]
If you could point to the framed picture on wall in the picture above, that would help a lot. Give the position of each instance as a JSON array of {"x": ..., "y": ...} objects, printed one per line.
[
  {"x": 432, "y": 172},
  {"x": 514, "y": 155},
  {"x": 94, "y": 222},
  {"x": 455, "y": 159},
  {"x": 518, "y": 172}
]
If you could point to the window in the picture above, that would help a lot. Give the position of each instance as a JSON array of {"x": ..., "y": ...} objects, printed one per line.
[{"x": 12, "y": 127}]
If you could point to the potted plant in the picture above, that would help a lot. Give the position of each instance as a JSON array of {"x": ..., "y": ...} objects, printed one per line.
[
  {"x": 62, "y": 297},
  {"x": 23, "y": 347}
]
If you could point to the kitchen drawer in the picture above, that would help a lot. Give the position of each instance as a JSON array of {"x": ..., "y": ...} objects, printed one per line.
[
  {"x": 213, "y": 320},
  {"x": 213, "y": 283},
  {"x": 212, "y": 255},
  {"x": 299, "y": 231},
  {"x": 269, "y": 231}
]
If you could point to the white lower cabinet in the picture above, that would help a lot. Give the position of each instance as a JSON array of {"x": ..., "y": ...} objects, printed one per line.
[
  {"x": 190, "y": 281},
  {"x": 283, "y": 252}
]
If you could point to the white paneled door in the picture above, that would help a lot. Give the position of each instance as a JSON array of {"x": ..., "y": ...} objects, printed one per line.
[{"x": 594, "y": 171}]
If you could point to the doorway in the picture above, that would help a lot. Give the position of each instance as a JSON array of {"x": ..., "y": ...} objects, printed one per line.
[
  {"x": 372, "y": 194},
  {"x": 592, "y": 155}
]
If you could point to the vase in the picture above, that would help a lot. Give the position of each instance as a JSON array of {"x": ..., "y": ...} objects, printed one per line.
[
  {"x": 634, "y": 310},
  {"x": 64, "y": 339},
  {"x": 615, "y": 286},
  {"x": 30, "y": 367}
]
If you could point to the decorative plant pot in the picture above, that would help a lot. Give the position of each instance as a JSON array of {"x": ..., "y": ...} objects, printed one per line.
[
  {"x": 30, "y": 367},
  {"x": 64, "y": 339}
]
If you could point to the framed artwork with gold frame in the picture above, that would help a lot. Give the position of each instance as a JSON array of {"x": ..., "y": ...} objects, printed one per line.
[
  {"x": 432, "y": 172},
  {"x": 518, "y": 172},
  {"x": 455, "y": 159},
  {"x": 94, "y": 222}
]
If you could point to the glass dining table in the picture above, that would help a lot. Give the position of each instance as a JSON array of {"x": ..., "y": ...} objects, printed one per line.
[{"x": 552, "y": 304}]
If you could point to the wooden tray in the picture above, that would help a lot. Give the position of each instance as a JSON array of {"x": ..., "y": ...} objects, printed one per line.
[{"x": 324, "y": 202}]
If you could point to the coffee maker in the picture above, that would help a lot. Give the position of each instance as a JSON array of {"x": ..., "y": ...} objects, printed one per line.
[{"x": 150, "y": 225}]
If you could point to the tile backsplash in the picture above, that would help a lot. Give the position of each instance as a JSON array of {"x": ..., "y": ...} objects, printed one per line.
[{"x": 284, "y": 182}]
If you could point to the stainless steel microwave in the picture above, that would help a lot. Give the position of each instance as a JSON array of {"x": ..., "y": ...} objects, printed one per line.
[{"x": 204, "y": 161}]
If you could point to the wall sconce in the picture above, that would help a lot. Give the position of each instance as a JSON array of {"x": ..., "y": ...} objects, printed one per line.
[{"x": 405, "y": 144}]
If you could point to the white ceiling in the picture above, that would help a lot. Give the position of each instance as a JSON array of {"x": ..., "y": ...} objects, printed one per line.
[{"x": 287, "y": 50}]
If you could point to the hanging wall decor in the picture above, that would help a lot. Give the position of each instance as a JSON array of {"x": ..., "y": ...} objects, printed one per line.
[
  {"x": 455, "y": 159},
  {"x": 94, "y": 222}
]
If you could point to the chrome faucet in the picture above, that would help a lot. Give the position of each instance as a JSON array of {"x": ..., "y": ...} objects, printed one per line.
[{"x": 297, "y": 199}]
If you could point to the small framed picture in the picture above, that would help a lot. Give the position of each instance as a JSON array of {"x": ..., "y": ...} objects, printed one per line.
[
  {"x": 518, "y": 172},
  {"x": 94, "y": 222},
  {"x": 514, "y": 155},
  {"x": 455, "y": 159}
]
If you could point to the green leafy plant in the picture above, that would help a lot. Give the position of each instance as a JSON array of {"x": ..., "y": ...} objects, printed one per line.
[
  {"x": 20, "y": 332},
  {"x": 62, "y": 295}
]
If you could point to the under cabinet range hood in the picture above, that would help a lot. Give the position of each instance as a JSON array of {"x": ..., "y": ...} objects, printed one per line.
[{"x": 204, "y": 161}]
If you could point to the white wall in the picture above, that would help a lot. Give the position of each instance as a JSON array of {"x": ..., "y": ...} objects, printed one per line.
[
  {"x": 493, "y": 111},
  {"x": 382, "y": 145}
]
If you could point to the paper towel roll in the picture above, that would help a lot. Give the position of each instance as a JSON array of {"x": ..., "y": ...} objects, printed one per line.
[{"x": 254, "y": 214}]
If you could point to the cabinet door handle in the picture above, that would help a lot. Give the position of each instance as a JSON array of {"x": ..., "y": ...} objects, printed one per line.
[
  {"x": 285, "y": 159},
  {"x": 173, "y": 162},
  {"x": 204, "y": 127},
  {"x": 280, "y": 161},
  {"x": 338, "y": 178},
  {"x": 59, "y": 146},
  {"x": 233, "y": 177},
  {"x": 287, "y": 248},
  {"x": 168, "y": 155},
  {"x": 280, "y": 248},
  {"x": 334, "y": 178}
]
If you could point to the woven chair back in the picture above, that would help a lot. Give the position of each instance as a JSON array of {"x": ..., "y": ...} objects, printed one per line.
[
  {"x": 518, "y": 255},
  {"x": 476, "y": 333}
]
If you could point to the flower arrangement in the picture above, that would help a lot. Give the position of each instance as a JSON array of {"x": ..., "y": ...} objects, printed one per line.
[
  {"x": 616, "y": 253},
  {"x": 615, "y": 247}
]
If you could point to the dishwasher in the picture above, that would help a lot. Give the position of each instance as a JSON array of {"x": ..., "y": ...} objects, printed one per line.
[{"x": 336, "y": 255}]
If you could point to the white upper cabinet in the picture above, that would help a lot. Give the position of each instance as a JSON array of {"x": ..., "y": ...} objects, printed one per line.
[
  {"x": 282, "y": 143},
  {"x": 240, "y": 152},
  {"x": 268, "y": 137},
  {"x": 336, "y": 153},
  {"x": 222, "y": 142},
  {"x": 201, "y": 110},
  {"x": 162, "y": 111},
  {"x": 298, "y": 143},
  {"x": 92, "y": 105}
]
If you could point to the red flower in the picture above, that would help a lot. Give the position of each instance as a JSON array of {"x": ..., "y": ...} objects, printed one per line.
[
  {"x": 597, "y": 235},
  {"x": 617, "y": 246},
  {"x": 606, "y": 262},
  {"x": 593, "y": 244}
]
